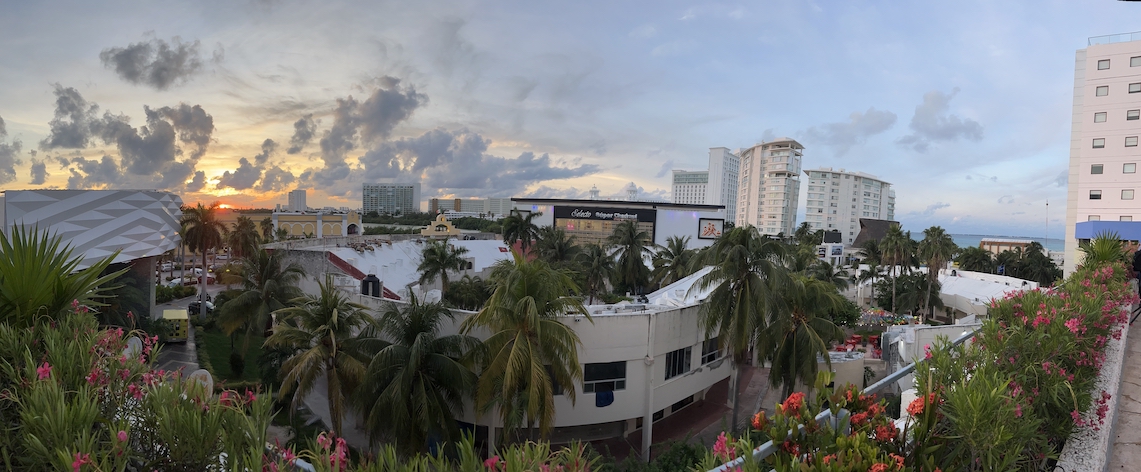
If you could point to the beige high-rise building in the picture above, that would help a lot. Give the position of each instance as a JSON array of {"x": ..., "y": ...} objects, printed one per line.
[
  {"x": 837, "y": 199},
  {"x": 1104, "y": 150},
  {"x": 769, "y": 186}
]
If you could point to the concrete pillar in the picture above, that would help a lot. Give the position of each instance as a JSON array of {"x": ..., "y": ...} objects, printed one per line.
[
  {"x": 320, "y": 225},
  {"x": 648, "y": 416}
]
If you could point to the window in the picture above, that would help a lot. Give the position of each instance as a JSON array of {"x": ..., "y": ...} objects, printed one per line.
[
  {"x": 1103, "y": 64},
  {"x": 1129, "y": 168},
  {"x": 709, "y": 351},
  {"x": 1104, "y": 90},
  {"x": 1098, "y": 143},
  {"x": 1096, "y": 169},
  {"x": 1133, "y": 115},
  {"x": 1095, "y": 194},
  {"x": 604, "y": 377},
  {"x": 1127, "y": 194},
  {"x": 1094, "y": 218},
  {"x": 1125, "y": 218},
  {"x": 677, "y": 362},
  {"x": 1130, "y": 141},
  {"x": 1134, "y": 88},
  {"x": 1135, "y": 61},
  {"x": 1099, "y": 117}
]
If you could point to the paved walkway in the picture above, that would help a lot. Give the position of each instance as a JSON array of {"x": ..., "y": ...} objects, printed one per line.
[{"x": 1126, "y": 453}]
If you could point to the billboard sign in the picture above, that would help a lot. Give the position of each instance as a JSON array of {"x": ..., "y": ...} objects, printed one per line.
[
  {"x": 709, "y": 228},
  {"x": 606, "y": 214}
]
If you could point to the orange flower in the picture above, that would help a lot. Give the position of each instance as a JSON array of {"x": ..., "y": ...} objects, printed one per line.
[
  {"x": 793, "y": 404},
  {"x": 916, "y": 407},
  {"x": 759, "y": 421},
  {"x": 878, "y": 467}
]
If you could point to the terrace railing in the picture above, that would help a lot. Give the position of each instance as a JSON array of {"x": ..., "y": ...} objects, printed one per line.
[{"x": 767, "y": 449}]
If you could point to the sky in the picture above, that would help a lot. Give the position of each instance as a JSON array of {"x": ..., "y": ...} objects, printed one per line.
[{"x": 963, "y": 106}]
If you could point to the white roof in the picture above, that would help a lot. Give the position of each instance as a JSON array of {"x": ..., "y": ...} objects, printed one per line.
[{"x": 682, "y": 293}]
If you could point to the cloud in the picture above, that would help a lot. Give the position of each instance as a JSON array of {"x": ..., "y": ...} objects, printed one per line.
[
  {"x": 665, "y": 169},
  {"x": 71, "y": 126},
  {"x": 275, "y": 179},
  {"x": 933, "y": 123},
  {"x": 458, "y": 162},
  {"x": 303, "y": 131},
  {"x": 544, "y": 191},
  {"x": 932, "y": 208},
  {"x": 1006, "y": 199},
  {"x": 197, "y": 183},
  {"x": 856, "y": 130},
  {"x": 268, "y": 147},
  {"x": 155, "y": 63},
  {"x": 9, "y": 156},
  {"x": 39, "y": 172},
  {"x": 93, "y": 173},
  {"x": 241, "y": 179},
  {"x": 1063, "y": 179}
]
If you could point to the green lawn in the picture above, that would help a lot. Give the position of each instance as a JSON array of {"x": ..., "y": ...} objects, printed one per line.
[{"x": 217, "y": 346}]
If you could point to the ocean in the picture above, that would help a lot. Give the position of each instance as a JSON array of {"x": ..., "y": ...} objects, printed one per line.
[{"x": 964, "y": 240}]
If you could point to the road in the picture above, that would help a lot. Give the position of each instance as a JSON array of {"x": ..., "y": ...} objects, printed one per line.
[{"x": 182, "y": 356}]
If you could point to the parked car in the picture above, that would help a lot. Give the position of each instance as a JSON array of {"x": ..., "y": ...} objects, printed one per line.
[
  {"x": 195, "y": 307},
  {"x": 166, "y": 267}
]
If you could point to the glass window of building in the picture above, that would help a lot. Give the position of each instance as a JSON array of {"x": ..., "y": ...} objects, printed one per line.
[
  {"x": 1094, "y": 218},
  {"x": 1099, "y": 117},
  {"x": 1125, "y": 218},
  {"x": 1098, "y": 143},
  {"x": 1104, "y": 90},
  {"x": 1130, "y": 141},
  {"x": 604, "y": 377},
  {"x": 1095, "y": 194},
  {"x": 678, "y": 362},
  {"x": 1127, "y": 194},
  {"x": 1135, "y": 61},
  {"x": 1133, "y": 114},
  {"x": 1095, "y": 169},
  {"x": 1134, "y": 88},
  {"x": 1103, "y": 64},
  {"x": 1129, "y": 168}
]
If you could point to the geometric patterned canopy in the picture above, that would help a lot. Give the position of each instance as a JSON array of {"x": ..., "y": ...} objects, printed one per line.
[{"x": 96, "y": 223}]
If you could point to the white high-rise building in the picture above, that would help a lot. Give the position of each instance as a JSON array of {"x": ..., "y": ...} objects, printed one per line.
[
  {"x": 391, "y": 198},
  {"x": 837, "y": 199},
  {"x": 297, "y": 201},
  {"x": 716, "y": 186},
  {"x": 769, "y": 186},
  {"x": 1104, "y": 151}
]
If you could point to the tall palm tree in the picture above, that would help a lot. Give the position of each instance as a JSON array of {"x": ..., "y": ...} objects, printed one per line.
[
  {"x": 597, "y": 268},
  {"x": 555, "y": 246},
  {"x": 437, "y": 259},
  {"x": 630, "y": 245},
  {"x": 826, "y": 272},
  {"x": 870, "y": 252},
  {"x": 417, "y": 380},
  {"x": 529, "y": 350},
  {"x": 799, "y": 331},
  {"x": 873, "y": 272},
  {"x": 203, "y": 232},
  {"x": 266, "y": 227},
  {"x": 936, "y": 249},
  {"x": 469, "y": 293},
  {"x": 747, "y": 281},
  {"x": 896, "y": 252},
  {"x": 321, "y": 332},
  {"x": 805, "y": 236},
  {"x": 976, "y": 259},
  {"x": 521, "y": 229},
  {"x": 39, "y": 276},
  {"x": 243, "y": 237},
  {"x": 672, "y": 261},
  {"x": 268, "y": 285}
]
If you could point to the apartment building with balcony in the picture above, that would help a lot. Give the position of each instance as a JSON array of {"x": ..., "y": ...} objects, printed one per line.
[
  {"x": 769, "y": 186},
  {"x": 837, "y": 199}
]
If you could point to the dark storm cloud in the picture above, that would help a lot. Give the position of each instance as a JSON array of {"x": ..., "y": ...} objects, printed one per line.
[
  {"x": 389, "y": 105},
  {"x": 39, "y": 172},
  {"x": 303, "y": 131},
  {"x": 275, "y": 179},
  {"x": 71, "y": 126},
  {"x": 458, "y": 161},
  {"x": 155, "y": 63},
  {"x": 9, "y": 156},
  {"x": 932, "y": 122},
  {"x": 856, "y": 130},
  {"x": 193, "y": 124},
  {"x": 268, "y": 147},
  {"x": 197, "y": 183},
  {"x": 241, "y": 179}
]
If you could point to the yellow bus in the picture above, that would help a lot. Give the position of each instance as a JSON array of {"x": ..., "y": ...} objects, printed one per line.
[{"x": 180, "y": 323}]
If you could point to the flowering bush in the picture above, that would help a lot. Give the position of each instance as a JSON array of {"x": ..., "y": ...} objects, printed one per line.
[{"x": 1006, "y": 402}]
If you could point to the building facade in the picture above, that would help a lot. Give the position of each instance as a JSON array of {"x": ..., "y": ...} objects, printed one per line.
[
  {"x": 837, "y": 199},
  {"x": 391, "y": 198},
  {"x": 1104, "y": 151},
  {"x": 768, "y": 188},
  {"x": 592, "y": 221},
  {"x": 493, "y": 206},
  {"x": 689, "y": 187},
  {"x": 297, "y": 201},
  {"x": 317, "y": 224}
]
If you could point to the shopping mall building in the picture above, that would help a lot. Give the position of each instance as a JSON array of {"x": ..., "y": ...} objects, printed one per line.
[{"x": 592, "y": 221}]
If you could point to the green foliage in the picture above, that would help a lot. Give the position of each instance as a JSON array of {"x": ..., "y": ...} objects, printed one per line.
[
  {"x": 164, "y": 294},
  {"x": 378, "y": 230},
  {"x": 237, "y": 364},
  {"x": 437, "y": 259},
  {"x": 468, "y": 293},
  {"x": 1104, "y": 249},
  {"x": 479, "y": 224},
  {"x": 268, "y": 285},
  {"x": 672, "y": 261},
  {"x": 631, "y": 246},
  {"x": 976, "y": 259},
  {"x": 39, "y": 277},
  {"x": 597, "y": 268},
  {"x": 799, "y": 331},
  {"x": 910, "y": 290},
  {"x": 220, "y": 350},
  {"x": 521, "y": 229},
  {"x": 847, "y": 313}
]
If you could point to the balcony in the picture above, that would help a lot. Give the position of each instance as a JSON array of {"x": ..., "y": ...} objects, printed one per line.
[{"x": 1115, "y": 38}]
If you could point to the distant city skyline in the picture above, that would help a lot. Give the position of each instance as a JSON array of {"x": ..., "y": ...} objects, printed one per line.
[{"x": 964, "y": 107}]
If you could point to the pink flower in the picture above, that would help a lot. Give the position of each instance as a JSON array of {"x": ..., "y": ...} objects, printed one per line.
[
  {"x": 491, "y": 462},
  {"x": 324, "y": 441},
  {"x": 44, "y": 371},
  {"x": 80, "y": 461},
  {"x": 135, "y": 391},
  {"x": 927, "y": 351},
  {"x": 721, "y": 448},
  {"x": 122, "y": 436},
  {"x": 250, "y": 396}
]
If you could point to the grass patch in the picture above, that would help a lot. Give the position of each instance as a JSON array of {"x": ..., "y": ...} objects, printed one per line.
[{"x": 217, "y": 347}]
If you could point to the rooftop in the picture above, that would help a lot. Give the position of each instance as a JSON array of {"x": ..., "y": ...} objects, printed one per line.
[{"x": 1115, "y": 38}]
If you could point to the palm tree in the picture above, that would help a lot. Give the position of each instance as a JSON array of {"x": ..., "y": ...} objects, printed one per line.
[
  {"x": 268, "y": 285},
  {"x": 805, "y": 236},
  {"x": 243, "y": 237},
  {"x": 521, "y": 229},
  {"x": 39, "y": 276},
  {"x": 747, "y": 280},
  {"x": 976, "y": 259},
  {"x": 529, "y": 350},
  {"x": 417, "y": 380},
  {"x": 597, "y": 268},
  {"x": 896, "y": 252},
  {"x": 672, "y": 261},
  {"x": 873, "y": 272},
  {"x": 468, "y": 293},
  {"x": 203, "y": 232},
  {"x": 799, "y": 332},
  {"x": 826, "y": 272},
  {"x": 437, "y": 258},
  {"x": 320, "y": 330},
  {"x": 555, "y": 246},
  {"x": 630, "y": 245},
  {"x": 281, "y": 234},
  {"x": 266, "y": 227},
  {"x": 1104, "y": 248},
  {"x": 937, "y": 248}
]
